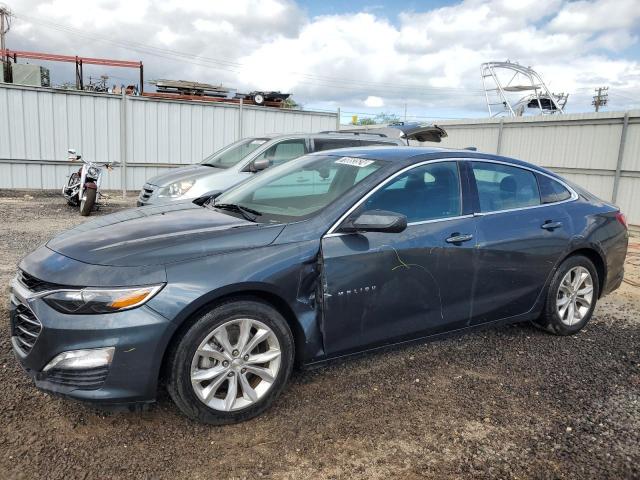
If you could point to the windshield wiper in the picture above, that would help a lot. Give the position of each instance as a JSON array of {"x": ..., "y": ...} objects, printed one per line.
[{"x": 248, "y": 213}]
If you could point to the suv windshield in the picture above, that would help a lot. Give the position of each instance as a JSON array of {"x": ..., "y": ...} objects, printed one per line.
[
  {"x": 300, "y": 188},
  {"x": 232, "y": 154}
]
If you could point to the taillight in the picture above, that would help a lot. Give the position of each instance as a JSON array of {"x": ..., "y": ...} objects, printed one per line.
[{"x": 622, "y": 219}]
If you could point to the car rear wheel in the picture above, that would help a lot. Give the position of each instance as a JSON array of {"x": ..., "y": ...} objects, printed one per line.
[
  {"x": 571, "y": 298},
  {"x": 232, "y": 363}
]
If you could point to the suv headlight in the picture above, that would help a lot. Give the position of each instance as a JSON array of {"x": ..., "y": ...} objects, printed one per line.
[
  {"x": 176, "y": 189},
  {"x": 100, "y": 300}
]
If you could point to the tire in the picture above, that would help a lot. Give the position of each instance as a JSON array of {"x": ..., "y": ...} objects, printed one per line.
[
  {"x": 73, "y": 178},
  {"x": 186, "y": 363},
  {"x": 86, "y": 205},
  {"x": 560, "y": 294}
]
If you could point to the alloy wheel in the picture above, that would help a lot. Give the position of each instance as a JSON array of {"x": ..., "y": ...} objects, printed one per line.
[
  {"x": 575, "y": 295},
  {"x": 235, "y": 365}
]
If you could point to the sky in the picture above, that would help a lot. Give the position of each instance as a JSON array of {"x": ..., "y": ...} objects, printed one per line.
[{"x": 364, "y": 57}]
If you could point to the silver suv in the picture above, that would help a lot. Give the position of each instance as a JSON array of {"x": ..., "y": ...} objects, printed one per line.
[{"x": 242, "y": 159}]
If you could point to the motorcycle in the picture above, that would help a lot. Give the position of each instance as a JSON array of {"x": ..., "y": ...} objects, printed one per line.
[{"x": 83, "y": 187}]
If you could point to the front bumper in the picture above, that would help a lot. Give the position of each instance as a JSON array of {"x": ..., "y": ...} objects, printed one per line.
[{"x": 139, "y": 336}]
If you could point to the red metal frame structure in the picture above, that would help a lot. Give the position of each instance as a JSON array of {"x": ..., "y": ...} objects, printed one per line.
[{"x": 79, "y": 61}]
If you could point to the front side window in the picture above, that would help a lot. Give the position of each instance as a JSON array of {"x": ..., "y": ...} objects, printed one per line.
[
  {"x": 423, "y": 193},
  {"x": 284, "y": 151},
  {"x": 299, "y": 189},
  {"x": 552, "y": 191},
  {"x": 232, "y": 154},
  {"x": 503, "y": 187}
]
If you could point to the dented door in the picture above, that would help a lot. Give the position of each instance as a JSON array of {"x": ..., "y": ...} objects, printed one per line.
[{"x": 383, "y": 288}]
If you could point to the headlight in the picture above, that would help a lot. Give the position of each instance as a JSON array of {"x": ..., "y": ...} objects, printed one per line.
[
  {"x": 100, "y": 300},
  {"x": 176, "y": 189},
  {"x": 93, "y": 172}
]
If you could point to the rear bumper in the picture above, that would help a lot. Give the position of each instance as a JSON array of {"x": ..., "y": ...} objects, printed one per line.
[
  {"x": 139, "y": 337},
  {"x": 613, "y": 282},
  {"x": 615, "y": 253}
]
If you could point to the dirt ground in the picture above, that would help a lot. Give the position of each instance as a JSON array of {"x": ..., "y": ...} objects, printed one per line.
[{"x": 509, "y": 402}]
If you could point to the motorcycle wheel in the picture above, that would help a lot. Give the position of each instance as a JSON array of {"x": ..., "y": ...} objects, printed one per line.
[
  {"x": 73, "y": 179},
  {"x": 86, "y": 205}
]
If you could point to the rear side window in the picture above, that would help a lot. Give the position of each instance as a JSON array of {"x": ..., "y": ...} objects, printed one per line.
[
  {"x": 331, "y": 143},
  {"x": 370, "y": 143},
  {"x": 552, "y": 191},
  {"x": 503, "y": 187},
  {"x": 285, "y": 151}
]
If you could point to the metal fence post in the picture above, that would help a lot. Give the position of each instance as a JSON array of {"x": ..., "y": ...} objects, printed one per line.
[
  {"x": 123, "y": 144},
  {"x": 338, "y": 119},
  {"x": 623, "y": 139},
  {"x": 500, "y": 127}
]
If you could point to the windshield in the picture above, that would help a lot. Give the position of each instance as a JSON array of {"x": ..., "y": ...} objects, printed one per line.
[
  {"x": 299, "y": 188},
  {"x": 232, "y": 154}
]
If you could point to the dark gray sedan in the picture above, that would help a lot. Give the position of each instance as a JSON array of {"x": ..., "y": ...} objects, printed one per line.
[{"x": 328, "y": 255}]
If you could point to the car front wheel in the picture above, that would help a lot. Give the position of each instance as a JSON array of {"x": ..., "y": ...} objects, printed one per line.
[
  {"x": 232, "y": 363},
  {"x": 571, "y": 298}
]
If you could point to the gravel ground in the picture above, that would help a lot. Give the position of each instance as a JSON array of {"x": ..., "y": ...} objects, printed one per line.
[{"x": 509, "y": 402}]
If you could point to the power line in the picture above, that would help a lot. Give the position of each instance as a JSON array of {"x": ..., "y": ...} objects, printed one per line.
[{"x": 233, "y": 67}]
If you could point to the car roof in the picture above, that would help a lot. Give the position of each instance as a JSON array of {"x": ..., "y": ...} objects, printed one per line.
[{"x": 410, "y": 155}]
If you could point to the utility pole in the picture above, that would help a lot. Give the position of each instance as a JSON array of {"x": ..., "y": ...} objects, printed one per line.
[
  {"x": 600, "y": 98},
  {"x": 5, "y": 25}
]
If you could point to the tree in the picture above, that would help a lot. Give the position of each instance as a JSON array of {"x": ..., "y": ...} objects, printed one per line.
[
  {"x": 291, "y": 103},
  {"x": 380, "y": 118},
  {"x": 366, "y": 121},
  {"x": 384, "y": 117}
]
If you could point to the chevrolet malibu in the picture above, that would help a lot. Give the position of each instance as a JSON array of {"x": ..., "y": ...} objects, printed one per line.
[{"x": 332, "y": 254}]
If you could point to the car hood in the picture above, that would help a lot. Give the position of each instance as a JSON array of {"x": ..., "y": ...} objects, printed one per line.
[
  {"x": 159, "y": 235},
  {"x": 192, "y": 172}
]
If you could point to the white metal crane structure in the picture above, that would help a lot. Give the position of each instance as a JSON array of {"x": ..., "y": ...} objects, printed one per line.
[{"x": 502, "y": 80}]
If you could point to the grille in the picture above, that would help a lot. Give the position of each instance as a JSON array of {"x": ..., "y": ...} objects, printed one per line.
[
  {"x": 146, "y": 192},
  {"x": 35, "y": 284},
  {"x": 25, "y": 327},
  {"x": 87, "y": 379}
]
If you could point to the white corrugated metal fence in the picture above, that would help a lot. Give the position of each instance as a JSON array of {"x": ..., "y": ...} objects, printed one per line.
[
  {"x": 599, "y": 151},
  {"x": 149, "y": 136}
]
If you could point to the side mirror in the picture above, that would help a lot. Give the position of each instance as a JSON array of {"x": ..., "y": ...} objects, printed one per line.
[
  {"x": 260, "y": 164},
  {"x": 202, "y": 199},
  {"x": 375, "y": 221}
]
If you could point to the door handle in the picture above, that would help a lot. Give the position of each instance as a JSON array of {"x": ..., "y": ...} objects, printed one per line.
[
  {"x": 458, "y": 238},
  {"x": 549, "y": 225}
]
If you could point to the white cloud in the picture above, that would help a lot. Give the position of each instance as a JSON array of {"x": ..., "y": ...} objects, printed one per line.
[
  {"x": 374, "y": 102},
  {"x": 598, "y": 15},
  {"x": 429, "y": 59},
  {"x": 213, "y": 26},
  {"x": 166, "y": 36}
]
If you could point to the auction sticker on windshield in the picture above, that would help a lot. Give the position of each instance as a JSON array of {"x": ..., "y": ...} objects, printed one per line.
[{"x": 355, "y": 162}]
